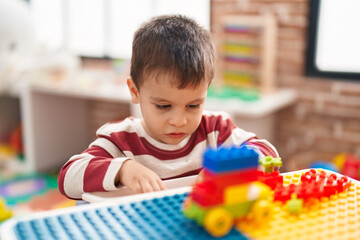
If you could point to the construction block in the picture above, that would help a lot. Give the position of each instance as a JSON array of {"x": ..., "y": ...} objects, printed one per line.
[
  {"x": 295, "y": 205},
  {"x": 195, "y": 212},
  {"x": 207, "y": 194},
  {"x": 230, "y": 159},
  {"x": 270, "y": 164},
  {"x": 283, "y": 193},
  {"x": 232, "y": 177},
  {"x": 273, "y": 179},
  {"x": 308, "y": 190},
  {"x": 245, "y": 192},
  {"x": 236, "y": 194}
]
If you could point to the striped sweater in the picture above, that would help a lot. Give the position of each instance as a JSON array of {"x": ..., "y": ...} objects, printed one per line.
[{"x": 95, "y": 168}]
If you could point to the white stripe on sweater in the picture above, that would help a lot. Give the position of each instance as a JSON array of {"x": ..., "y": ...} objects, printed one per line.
[
  {"x": 174, "y": 167},
  {"x": 237, "y": 137},
  {"x": 123, "y": 126},
  {"x": 109, "y": 178},
  {"x": 74, "y": 177},
  {"x": 109, "y": 146}
]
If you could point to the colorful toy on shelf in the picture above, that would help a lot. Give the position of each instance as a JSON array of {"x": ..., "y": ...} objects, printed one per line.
[
  {"x": 229, "y": 191},
  {"x": 5, "y": 212},
  {"x": 225, "y": 92},
  {"x": 246, "y": 57},
  {"x": 16, "y": 142}
]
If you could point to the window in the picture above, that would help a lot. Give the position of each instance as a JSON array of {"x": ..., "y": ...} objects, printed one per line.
[
  {"x": 334, "y": 39},
  {"x": 104, "y": 28}
]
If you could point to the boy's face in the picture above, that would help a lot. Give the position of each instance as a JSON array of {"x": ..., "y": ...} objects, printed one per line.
[{"x": 169, "y": 114}]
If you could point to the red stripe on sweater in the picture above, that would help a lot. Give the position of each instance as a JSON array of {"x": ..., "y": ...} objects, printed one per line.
[
  {"x": 140, "y": 146},
  {"x": 96, "y": 169},
  {"x": 92, "y": 180}
]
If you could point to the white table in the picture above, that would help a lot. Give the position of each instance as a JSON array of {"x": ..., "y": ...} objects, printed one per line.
[{"x": 55, "y": 118}]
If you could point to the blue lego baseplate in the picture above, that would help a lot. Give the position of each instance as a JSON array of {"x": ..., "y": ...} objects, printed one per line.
[{"x": 157, "y": 218}]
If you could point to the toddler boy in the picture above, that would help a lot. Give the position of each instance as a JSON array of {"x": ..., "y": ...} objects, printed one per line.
[{"x": 172, "y": 66}]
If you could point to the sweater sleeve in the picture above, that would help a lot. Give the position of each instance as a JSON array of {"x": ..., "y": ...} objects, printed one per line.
[
  {"x": 262, "y": 146},
  {"x": 229, "y": 134},
  {"x": 93, "y": 170}
]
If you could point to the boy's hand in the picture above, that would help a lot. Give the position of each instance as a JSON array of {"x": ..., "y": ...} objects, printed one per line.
[
  {"x": 200, "y": 177},
  {"x": 139, "y": 178}
]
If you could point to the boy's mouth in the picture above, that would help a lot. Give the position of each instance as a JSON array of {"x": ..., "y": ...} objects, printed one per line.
[{"x": 176, "y": 135}]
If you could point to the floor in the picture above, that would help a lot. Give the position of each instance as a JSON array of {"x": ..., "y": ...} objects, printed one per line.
[{"x": 31, "y": 192}]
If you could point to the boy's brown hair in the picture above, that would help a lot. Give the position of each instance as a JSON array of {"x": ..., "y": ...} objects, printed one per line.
[{"x": 173, "y": 44}]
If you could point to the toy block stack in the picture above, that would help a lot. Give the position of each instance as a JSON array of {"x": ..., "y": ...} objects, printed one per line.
[
  {"x": 229, "y": 191},
  {"x": 224, "y": 169}
]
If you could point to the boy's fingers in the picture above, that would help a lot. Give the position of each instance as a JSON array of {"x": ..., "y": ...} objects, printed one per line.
[
  {"x": 155, "y": 185},
  {"x": 161, "y": 184},
  {"x": 146, "y": 187},
  {"x": 135, "y": 187}
]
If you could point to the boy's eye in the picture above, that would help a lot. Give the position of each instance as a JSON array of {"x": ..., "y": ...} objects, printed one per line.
[
  {"x": 162, "y": 106},
  {"x": 193, "y": 106}
]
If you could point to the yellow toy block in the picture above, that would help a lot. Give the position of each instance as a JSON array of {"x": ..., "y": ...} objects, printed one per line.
[
  {"x": 236, "y": 194},
  {"x": 245, "y": 192},
  {"x": 5, "y": 213}
]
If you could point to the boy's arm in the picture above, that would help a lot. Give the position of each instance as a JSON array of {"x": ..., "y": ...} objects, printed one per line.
[
  {"x": 228, "y": 134},
  {"x": 93, "y": 170},
  {"x": 263, "y": 147},
  {"x": 96, "y": 170}
]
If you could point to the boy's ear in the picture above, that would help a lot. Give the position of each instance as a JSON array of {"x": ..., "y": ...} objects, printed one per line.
[{"x": 133, "y": 90}]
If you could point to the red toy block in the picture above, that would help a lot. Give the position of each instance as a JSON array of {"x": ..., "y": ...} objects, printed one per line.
[
  {"x": 329, "y": 187},
  {"x": 283, "y": 193},
  {"x": 309, "y": 190},
  {"x": 231, "y": 178},
  {"x": 207, "y": 194},
  {"x": 322, "y": 175},
  {"x": 309, "y": 176},
  {"x": 351, "y": 167},
  {"x": 342, "y": 184},
  {"x": 271, "y": 179}
]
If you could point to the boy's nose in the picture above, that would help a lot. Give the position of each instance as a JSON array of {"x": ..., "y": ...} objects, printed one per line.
[{"x": 178, "y": 119}]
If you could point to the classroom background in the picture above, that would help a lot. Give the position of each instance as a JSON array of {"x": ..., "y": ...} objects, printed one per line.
[{"x": 287, "y": 70}]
